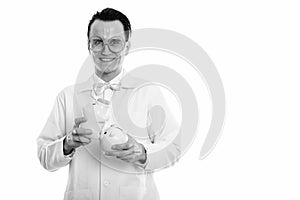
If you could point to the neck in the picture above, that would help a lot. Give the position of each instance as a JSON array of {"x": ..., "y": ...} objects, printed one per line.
[{"x": 108, "y": 76}]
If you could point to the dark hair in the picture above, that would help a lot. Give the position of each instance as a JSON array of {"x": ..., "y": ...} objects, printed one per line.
[{"x": 109, "y": 14}]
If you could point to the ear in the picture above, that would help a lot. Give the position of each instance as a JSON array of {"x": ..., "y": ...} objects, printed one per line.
[
  {"x": 127, "y": 47},
  {"x": 89, "y": 47}
]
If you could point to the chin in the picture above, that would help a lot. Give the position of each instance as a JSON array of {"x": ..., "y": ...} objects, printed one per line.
[
  {"x": 104, "y": 70},
  {"x": 107, "y": 67}
]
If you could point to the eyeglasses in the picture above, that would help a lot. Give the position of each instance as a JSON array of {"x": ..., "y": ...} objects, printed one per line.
[{"x": 114, "y": 44}]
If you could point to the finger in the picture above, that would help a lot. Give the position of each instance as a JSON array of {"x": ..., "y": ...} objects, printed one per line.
[
  {"x": 113, "y": 153},
  {"x": 78, "y": 139},
  {"x": 82, "y": 139},
  {"x": 122, "y": 146},
  {"x": 120, "y": 154},
  {"x": 80, "y": 120},
  {"x": 85, "y": 140},
  {"x": 130, "y": 158},
  {"x": 75, "y": 144},
  {"x": 83, "y": 131},
  {"x": 109, "y": 153}
]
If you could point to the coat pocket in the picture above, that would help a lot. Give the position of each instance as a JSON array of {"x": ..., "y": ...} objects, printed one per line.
[{"x": 132, "y": 192}]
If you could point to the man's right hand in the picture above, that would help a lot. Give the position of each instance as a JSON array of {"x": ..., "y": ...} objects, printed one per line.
[{"x": 77, "y": 137}]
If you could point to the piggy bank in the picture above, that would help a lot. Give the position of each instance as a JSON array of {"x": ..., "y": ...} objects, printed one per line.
[{"x": 112, "y": 135}]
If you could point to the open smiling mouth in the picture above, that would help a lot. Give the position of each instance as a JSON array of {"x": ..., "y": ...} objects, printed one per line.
[{"x": 106, "y": 59}]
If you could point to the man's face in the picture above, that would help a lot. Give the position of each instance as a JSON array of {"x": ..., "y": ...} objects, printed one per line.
[{"x": 107, "y": 59}]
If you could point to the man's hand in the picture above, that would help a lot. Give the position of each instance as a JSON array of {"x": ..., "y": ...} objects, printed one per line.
[
  {"x": 77, "y": 137},
  {"x": 131, "y": 151}
]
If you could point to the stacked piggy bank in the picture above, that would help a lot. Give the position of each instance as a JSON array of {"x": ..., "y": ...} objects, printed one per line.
[{"x": 111, "y": 136}]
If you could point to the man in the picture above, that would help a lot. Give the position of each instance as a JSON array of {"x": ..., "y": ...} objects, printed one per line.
[{"x": 71, "y": 134}]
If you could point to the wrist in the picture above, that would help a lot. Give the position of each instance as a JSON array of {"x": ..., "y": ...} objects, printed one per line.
[
  {"x": 66, "y": 148},
  {"x": 144, "y": 154}
]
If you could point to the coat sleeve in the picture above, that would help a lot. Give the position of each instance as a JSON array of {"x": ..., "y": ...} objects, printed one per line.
[
  {"x": 50, "y": 140},
  {"x": 164, "y": 148}
]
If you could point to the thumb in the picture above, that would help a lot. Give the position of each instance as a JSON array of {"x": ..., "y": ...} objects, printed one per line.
[{"x": 80, "y": 120}]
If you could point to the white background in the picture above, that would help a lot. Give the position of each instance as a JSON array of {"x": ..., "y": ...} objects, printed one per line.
[{"x": 255, "y": 46}]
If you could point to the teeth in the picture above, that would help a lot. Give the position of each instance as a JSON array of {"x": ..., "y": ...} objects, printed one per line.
[{"x": 106, "y": 59}]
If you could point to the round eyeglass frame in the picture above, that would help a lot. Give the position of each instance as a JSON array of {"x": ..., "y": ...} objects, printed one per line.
[{"x": 105, "y": 42}]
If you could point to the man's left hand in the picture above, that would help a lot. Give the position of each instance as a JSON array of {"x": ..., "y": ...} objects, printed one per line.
[{"x": 131, "y": 151}]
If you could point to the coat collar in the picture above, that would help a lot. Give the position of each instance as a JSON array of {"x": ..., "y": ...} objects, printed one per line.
[{"x": 127, "y": 82}]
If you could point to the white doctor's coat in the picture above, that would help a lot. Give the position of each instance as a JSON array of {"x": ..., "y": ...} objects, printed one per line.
[{"x": 92, "y": 175}]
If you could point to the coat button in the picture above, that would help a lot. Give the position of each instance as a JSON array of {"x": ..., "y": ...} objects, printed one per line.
[{"x": 106, "y": 183}]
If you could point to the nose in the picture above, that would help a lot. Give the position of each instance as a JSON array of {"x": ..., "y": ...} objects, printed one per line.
[{"x": 105, "y": 50}]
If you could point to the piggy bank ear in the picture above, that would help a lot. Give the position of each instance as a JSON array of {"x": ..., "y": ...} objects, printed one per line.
[
  {"x": 110, "y": 128},
  {"x": 115, "y": 130}
]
